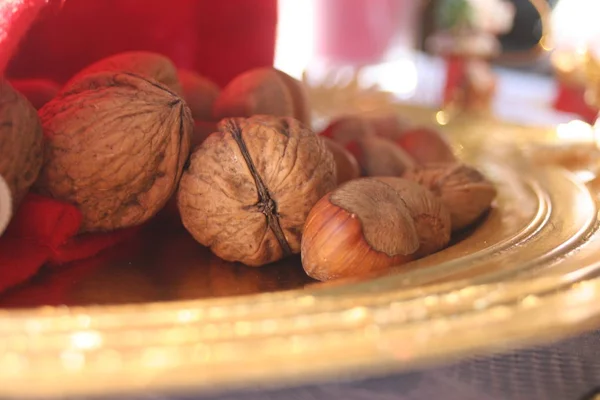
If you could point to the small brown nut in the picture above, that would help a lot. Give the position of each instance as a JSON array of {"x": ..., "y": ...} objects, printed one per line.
[
  {"x": 116, "y": 146},
  {"x": 360, "y": 228},
  {"x": 389, "y": 126},
  {"x": 145, "y": 63},
  {"x": 299, "y": 97},
  {"x": 380, "y": 157},
  {"x": 250, "y": 186},
  {"x": 199, "y": 92},
  {"x": 425, "y": 145},
  {"x": 346, "y": 166},
  {"x": 348, "y": 129},
  {"x": 465, "y": 191},
  {"x": 429, "y": 214},
  {"x": 21, "y": 142},
  {"x": 261, "y": 91},
  {"x": 37, "y": 91}
]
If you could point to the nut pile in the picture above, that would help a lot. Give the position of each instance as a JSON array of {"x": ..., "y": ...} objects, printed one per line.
[{"x": 131, "y": 135}]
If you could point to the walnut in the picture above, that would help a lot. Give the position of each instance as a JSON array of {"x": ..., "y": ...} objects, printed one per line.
[
  {"x": 464, "y": 191},
  {"x": 21, "y": 142},
  {"x": 116, "y": 146},
  {"x": 37, "y": 91},
  {"x": 145, "y": 63},
  {"x": 200, "y": 94},
  {"x": 251, "y": 185}
]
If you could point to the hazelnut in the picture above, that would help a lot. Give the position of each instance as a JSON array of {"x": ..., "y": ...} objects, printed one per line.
[
  {"x": 21, "y": 142},
  {"x": 37, "y": 91},
  {"x": 380, "y": 157},
  {"x": 347, "y": 167},
  {"x": 425, "y": 145},
  {"x": 145, "y": 63},
  {"x": 464, "y": 191},
  {"x": 360, "y": 228},
  {"x": 250, "y": 186},
  {"x": 262, "y": 91},
  {"x": 430, "y": 216},
  {"x": 116, "y": 144},
  {"x": 348, "y": 129},
  {"x": 389, "y": 126},
  {"x": 199, "y": 93}
]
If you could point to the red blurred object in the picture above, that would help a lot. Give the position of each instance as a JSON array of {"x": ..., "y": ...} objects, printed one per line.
[
  {"x": 455, "y": 75},
  {"x": 571, "y": 99},
  {"x": 44, "y": 231},
  {"x": 218, "y": 39},
  {"x": 361, "y": 31}
]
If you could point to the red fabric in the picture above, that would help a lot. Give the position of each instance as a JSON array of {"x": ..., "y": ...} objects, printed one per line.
[
  {"x": 44, "y": 231},
  {"x": 570, "y": 99},
  {"x": 218, "y": 39}
]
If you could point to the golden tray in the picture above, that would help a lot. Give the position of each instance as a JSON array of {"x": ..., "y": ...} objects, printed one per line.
[{"x": 527, "y": 274}]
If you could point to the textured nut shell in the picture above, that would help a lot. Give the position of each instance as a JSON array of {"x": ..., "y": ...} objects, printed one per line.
[
  {"x": 146, "y": 63},
  {"x": 381, "y": 157},
  {"x": 37, "y": 91},
  {"x": 348, "y": 129},
  {"x": 430, "y": 216},
  {"x": 346, "y": 166},
  {"x": 425, "y": 146},
  {"x": 360, "y": 228},
  {"x": 116, "y": 146},
  {"x": 464, "y": 191},
  {"x": 218, "y": 196},
  {"x": 258, "y": 91},
  {"x": 199, "y": 93},
  {"x": 21, "y": 142}
]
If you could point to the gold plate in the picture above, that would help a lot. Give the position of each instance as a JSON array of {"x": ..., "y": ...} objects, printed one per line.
[{"x": 527, "y": 274}]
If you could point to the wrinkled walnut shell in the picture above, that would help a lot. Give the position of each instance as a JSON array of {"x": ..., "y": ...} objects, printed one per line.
[
  {"x": 249, "y": 188},
  {"x": 116, "y": 146},
  {"x": 145, "y": 63},
  {"x": 21, "y": 142},
  {"x": 199, "y": 93},
  {"x": 464, "y": 191}
]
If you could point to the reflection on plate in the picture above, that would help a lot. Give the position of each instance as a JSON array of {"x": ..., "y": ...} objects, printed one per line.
[{"x": 170, "y": 316}]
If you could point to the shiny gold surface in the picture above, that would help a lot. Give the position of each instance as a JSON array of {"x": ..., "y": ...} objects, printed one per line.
[{"x": 528, "y": 273}]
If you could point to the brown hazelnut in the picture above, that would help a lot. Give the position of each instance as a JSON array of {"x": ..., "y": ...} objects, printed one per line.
[
  {"x": 347, "y": 167},
  {"x": 264, "y": 91},
  {"x": 199, "y": 93},
  {"x": 425, "y": 145},
  {"x": 464, "y": 191},
  {"x": 380, "y": 157},
  {"x": 116, "y": 144},
  {"x": 348, "y": 129},
  {"x": 21, "y": 143},
  {"x": 430, "y": 216},
  {"x": 145, "y": 63},
  {"x": 37, "y": 91},
  {"x": 389, "y": 126},
  {"x": 250, "y": 186},
  {"x": 361, "y": 227}
]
